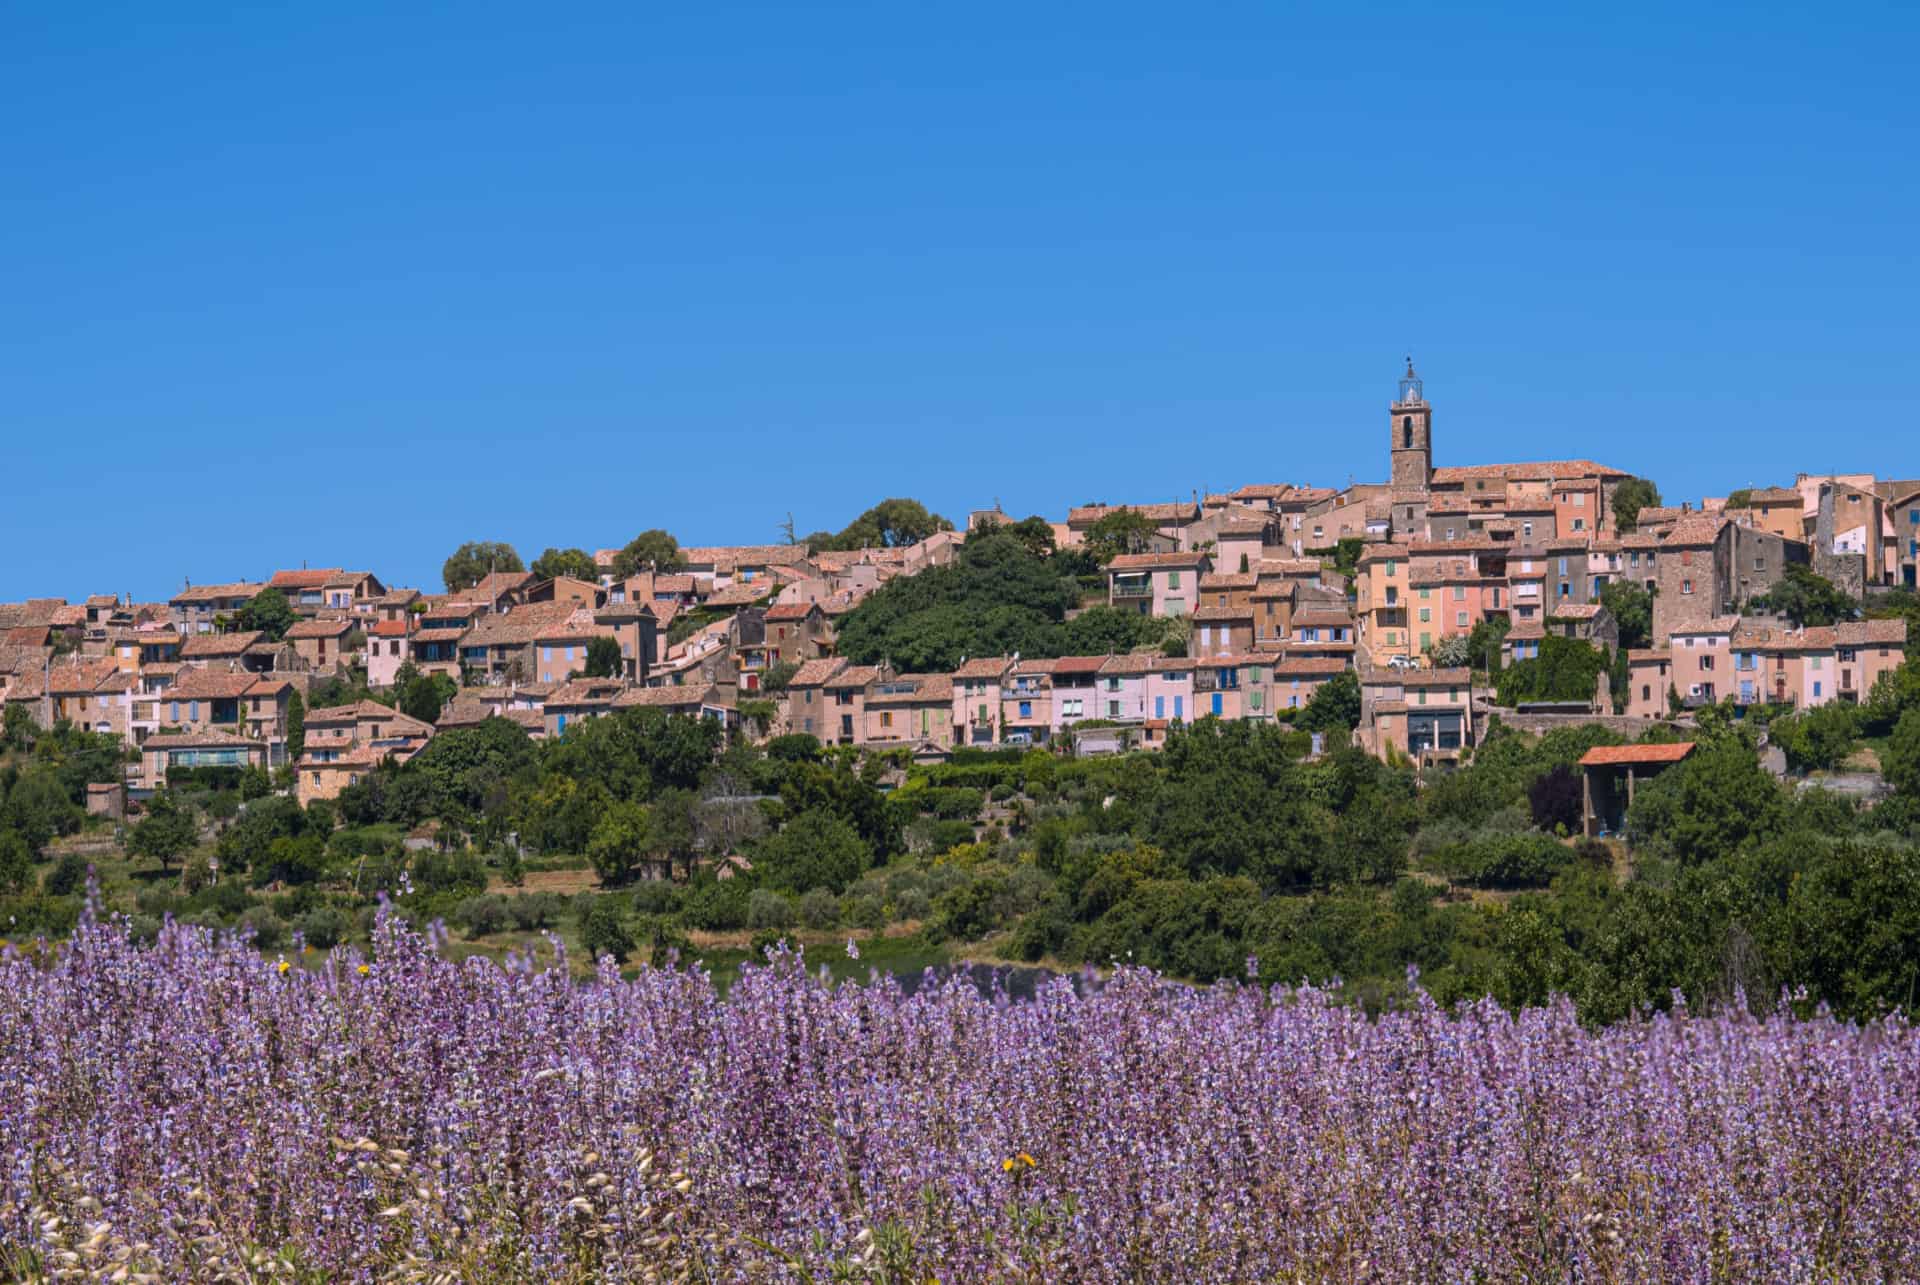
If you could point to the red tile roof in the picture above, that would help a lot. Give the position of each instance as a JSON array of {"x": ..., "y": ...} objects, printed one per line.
[
  {"x": 1151, "y": 561},
  {"x": 303, "y": 579},
  {"x": 1635, "y": 755}
]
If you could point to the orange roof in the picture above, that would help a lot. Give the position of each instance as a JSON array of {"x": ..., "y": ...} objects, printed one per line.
[
  {"x": 1149, "y": 561},
  {"x": 1635, "y": 755},
  {"x": 303, "y": 579}
]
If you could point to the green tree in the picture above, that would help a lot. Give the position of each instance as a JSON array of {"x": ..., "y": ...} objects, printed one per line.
[
  {"x": 269, "y": 612},
  {"x": 1567, "y": 669},
  {"x": 651, "y": 550},
  {"x": 1900, "y": 760},
  {"x": 1706, "y": 806},
  {"x": 888, "y": 524},
  {"x": 296, "y": 727},
  {"x": 1807, "y": 598},
  {"x": 1631, "y": 607},
  {"x": 673, "y": 828},
  {"x": 603, "y": 930},
  {"x": 1334, "y": 704},
  {"x": 419, "y": 695},
  {"x": 473, "y": 561},
  {"x": 603, "y": 658},
  {"x": 1819, "y": 738},
  {"x": 577, "y": 563},
  {"x": 1118, "y": 532},
  {"x": 16, "y": 862},
  {"x": 40, "y": 806},
  {"x": 1629, "y": 498},
  {"x": 165, "y": 834},
  {"x": 620, "y": 841},
  {"x": 1740, "y": 499},
  {"x": 816, "y": 849}
]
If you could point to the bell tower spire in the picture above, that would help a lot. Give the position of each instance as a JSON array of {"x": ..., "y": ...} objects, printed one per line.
[{"x": 1410, "y": 427}]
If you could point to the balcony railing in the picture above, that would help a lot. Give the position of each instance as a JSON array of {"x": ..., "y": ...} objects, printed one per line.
[{"x": 1121, "y": 589}]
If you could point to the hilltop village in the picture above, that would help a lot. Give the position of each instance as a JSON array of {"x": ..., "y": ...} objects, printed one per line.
[{"x": 1409, "y": 611}]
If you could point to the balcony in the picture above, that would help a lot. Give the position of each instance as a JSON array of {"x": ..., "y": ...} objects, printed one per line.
[{"x": 1132, "y": 589}]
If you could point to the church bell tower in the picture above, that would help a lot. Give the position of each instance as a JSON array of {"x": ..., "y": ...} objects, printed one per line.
[{"x": 1411, "y": 424}]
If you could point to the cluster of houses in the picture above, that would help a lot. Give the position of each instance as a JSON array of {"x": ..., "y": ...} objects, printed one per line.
[{"x": 1250, "y": 574}]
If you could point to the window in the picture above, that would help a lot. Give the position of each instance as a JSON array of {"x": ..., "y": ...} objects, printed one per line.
[
  {"x": 1173, "y": 579},
  {"x": 1426, "y": 614},
  {"x": 886, "y": 718},
  {"x": 1579, "y": 524},
  {"x": 1459, "y": 593},
  {"x": 1579, "y": 499},
  {"x": 1026, "y": 709},
  {"x": 1113, "y": 709},
  {"x": 1706, "y": 663},
  {"x": 1686, "y": 557},
  {"x": 1460, "y": 619},
  {"x": 1159, "y": 707},
  {"x": 1425, "y": 594},
  {"x": 1646, "y": 692},
  {"x": 1113, "y": 685},
  {"x": 1218, "y": 704},
  {"x": 1686, "y": 586},
  {"x": 1816, "y": 689}
]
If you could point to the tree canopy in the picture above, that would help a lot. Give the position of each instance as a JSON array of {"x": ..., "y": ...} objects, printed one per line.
[
  {"x": 888, "y": 524},
  {"x": 1806, "y": 598},
  {"x": 577, "y": 563},
  {"x": 1631, "y": 607},
  {"x": 994, "y": 599},
  {"x": 473, "y": 561},
  {"x": 269, "y": 612},
  {"x": 1629, "y": 498},
  {"x": 651, "y": 550},
  {"x": 1118, "y": 532}
]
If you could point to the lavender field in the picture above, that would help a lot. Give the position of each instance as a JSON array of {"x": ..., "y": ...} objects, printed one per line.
[{"x": 194, "y": 1111}]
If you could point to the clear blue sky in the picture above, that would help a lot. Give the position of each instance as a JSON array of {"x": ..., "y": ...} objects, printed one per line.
[{"x": 353, "y": 283}]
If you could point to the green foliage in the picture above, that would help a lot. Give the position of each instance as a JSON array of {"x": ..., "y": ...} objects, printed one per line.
[
  {"x": 603, "y": 658},
  {"x": 67, "y": 877},
  {"x": 1740, "y": 499},
  {"x": 1567, "y": 669},
  {"x": 1900, "y": 760},
  {"x": 577, "y": 563},
  {"x": 1505, "y": 860},
  {"x": 1806, "y": 598},
  {"x": 994, "y": 599},
  {"x": 888, "y": 524},
  {"x": 603, "y": 930},
  {"x": 16, "y": 863},
  {"x": 778, "y": 675},
  {"x": 652, "y": 550},
  {"x": 817, "y": 849},
  {"x": 1631, "y": 606},
  {"x": 419, "y": 695},
  {"x": 1335, "y": 704},
  {"x": 1707, "y": 806},
  {"x": 474, "y": 560},
  {"x": 620, "y": 841},
  {"x": 269, "y": 612},
  {"x": 1629, "y": 498},
  {"x": 1819, "y": 738},
  {"x": 165, "y": 833},
  {"x": 1118, "y": 532}
]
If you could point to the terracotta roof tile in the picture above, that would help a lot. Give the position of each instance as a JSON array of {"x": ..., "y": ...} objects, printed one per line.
[
  {"x": 1152, "y": 561},
  {"x": 1636, "y": 755}
]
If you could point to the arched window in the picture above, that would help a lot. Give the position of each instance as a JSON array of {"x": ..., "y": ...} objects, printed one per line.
[{"x": 1406, "y": 432}]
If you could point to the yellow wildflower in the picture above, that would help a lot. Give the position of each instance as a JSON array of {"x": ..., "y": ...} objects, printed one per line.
[
  {"x": 1007, "y": 1165},
  {"x": 283, "y": 966},
  {"x": 364, "y": 970},
  {"x": 1029, "y": 1161}
]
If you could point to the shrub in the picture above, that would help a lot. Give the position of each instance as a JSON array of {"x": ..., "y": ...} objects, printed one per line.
[
  {"x": 449, "y": 872},
  {"x": 483, "y": 915},
  {"x": 769, "y": 909},
  {"x": 1507, "y": 860},
  {"x": 604, "y": 931},
  {"x": 534, "y": 911},
  {"x": 820, "y": 910},
  {"x": 269, "y": 929},
  {"x": 68, "y": 876},
  {"x": 912, "y": 904},
  {"x": 864, "y": 911},
  {"x": 324, "y": 928}
]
